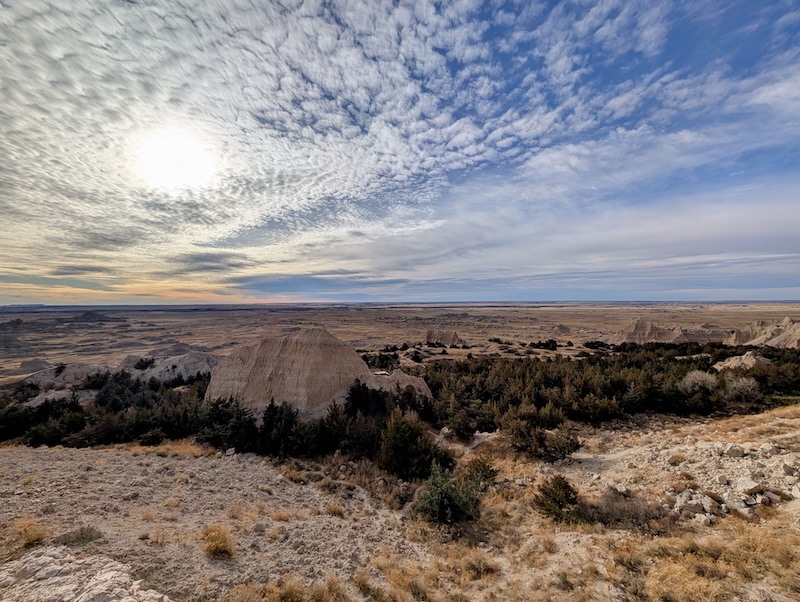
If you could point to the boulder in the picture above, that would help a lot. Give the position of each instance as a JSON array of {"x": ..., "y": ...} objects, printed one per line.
[
  {"x": 748, "y": 486},
  {"x": 309, "y": 369},
  {"x": 734, "y": 450}
]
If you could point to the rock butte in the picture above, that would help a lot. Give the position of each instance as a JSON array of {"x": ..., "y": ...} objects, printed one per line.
[
  {"x": 444, "y": 337},
  {"x": 309, "y": 369}
]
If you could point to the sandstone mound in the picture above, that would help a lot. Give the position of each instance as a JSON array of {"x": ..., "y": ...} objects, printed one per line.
[
  {"x": 784, "y": 334},
  {"x": 448, "y": 338},
  {"x": 64, "y": 375},
  {"x": 30, "y": 366},
  {"x": 643, "y": 331},
  {"x": 746, "y": 362},
  {"x": 169, "y": 368},
  {"x": 308, "y": 369}
]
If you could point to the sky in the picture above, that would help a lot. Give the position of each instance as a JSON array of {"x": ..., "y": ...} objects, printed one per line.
[{"x": 229, "y": 151}]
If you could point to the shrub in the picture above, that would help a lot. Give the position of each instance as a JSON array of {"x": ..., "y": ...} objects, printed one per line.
[
  {"x": 616, "y": 509},
  {"x": 143, "y": 363},
  {"x": 478, "y": 565},
  {"x": 557, "y": 499},
  {"x": 445, "y": 500},
  {"x": 218, "y": 541},
  {"x": 537, "y": 442},
  {"x": 742, "y": 390},
  {"x": 228, "y": 424},
  {"x": 479, "y": 471},
  {"x": 407, "y": 448}
]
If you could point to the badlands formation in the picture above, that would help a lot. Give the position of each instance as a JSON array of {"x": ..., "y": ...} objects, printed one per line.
[
  {"x": 308, "y": 369},
  {"x": 126, "y": 523}
]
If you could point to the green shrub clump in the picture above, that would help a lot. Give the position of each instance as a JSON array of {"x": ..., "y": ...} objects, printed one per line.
[
  {"x": 557, "y": 499},
  {"x": 407, "y": 448},
  {"x": 446, "y": 500}
]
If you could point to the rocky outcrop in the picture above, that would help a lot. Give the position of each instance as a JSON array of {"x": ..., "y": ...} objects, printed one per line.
[
  {"x": 308, "y": 369},
  {"x": 641, "y": 331},
  {"x": 742, "y": 362},
  {"x": 448, "y": 338},
  {"x": 64, "y": 375},
  {"x": 54, "y": 573},
  {"x": 783, "y": 334},
  {"x": 167, "y": 369}
]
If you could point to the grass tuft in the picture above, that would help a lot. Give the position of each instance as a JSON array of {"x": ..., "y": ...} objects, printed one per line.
[{"x": 218, "y": 541}]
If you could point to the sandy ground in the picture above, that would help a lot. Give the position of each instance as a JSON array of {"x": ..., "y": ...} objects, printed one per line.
[{"x": 151, "y": 511}]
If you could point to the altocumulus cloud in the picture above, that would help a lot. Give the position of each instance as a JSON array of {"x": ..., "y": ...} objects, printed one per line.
[{"x": 401, "y": 150}]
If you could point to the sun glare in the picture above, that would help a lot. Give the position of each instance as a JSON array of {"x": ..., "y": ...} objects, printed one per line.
[{"x": 172, "y": 159}]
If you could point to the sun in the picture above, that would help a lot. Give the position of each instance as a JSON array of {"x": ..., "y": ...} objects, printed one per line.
[{"x": 175, "y": 159}]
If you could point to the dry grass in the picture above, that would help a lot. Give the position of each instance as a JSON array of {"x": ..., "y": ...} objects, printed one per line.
[
  {"x": 218, "y": 541},
  {"x": 295, "y": 476},
  {"x": 677, "y": 459},
  {"x": 182, "y": 448},
  {"x": 335, "y": 509},
  {"x": 477, "y": 564},
  {"x": 676, "y": 582},
  {"x": 29, "y": 531},
  {"x": 281, "y": 516},
  {"x": 289, "y": 589},
  {"x": 28, "y": 480},
  {"x": 172, "y": 502},
  {"x": 368, "y": 588}
]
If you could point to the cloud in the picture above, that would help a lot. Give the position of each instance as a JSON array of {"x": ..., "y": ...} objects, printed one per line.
[{"x": 346, "y": 129}]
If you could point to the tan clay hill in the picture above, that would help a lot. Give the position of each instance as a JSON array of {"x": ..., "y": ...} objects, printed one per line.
[
  {"x": 308, "y": 369},
  {"x": 448, "y": 338},
  {"x": 641, "y": 331},
  {"x": 785, "y": 334}
]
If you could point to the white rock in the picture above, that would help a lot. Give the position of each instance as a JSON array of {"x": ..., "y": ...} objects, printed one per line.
[
  {"x": 748, "y": 486},
  {"x": 710, "y": 506},
  {"x": 734, "y": 450},
  {"x": 722, "y": 480}
]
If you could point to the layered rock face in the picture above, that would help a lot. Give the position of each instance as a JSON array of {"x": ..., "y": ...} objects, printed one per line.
[
  {"x": 308, "y": 369},
  {"x": 167, "y": 369},
  {"x": 785, "y": 334},
  {"x": 643, "y": 331},
  {"x": 435, "y": 336}
]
